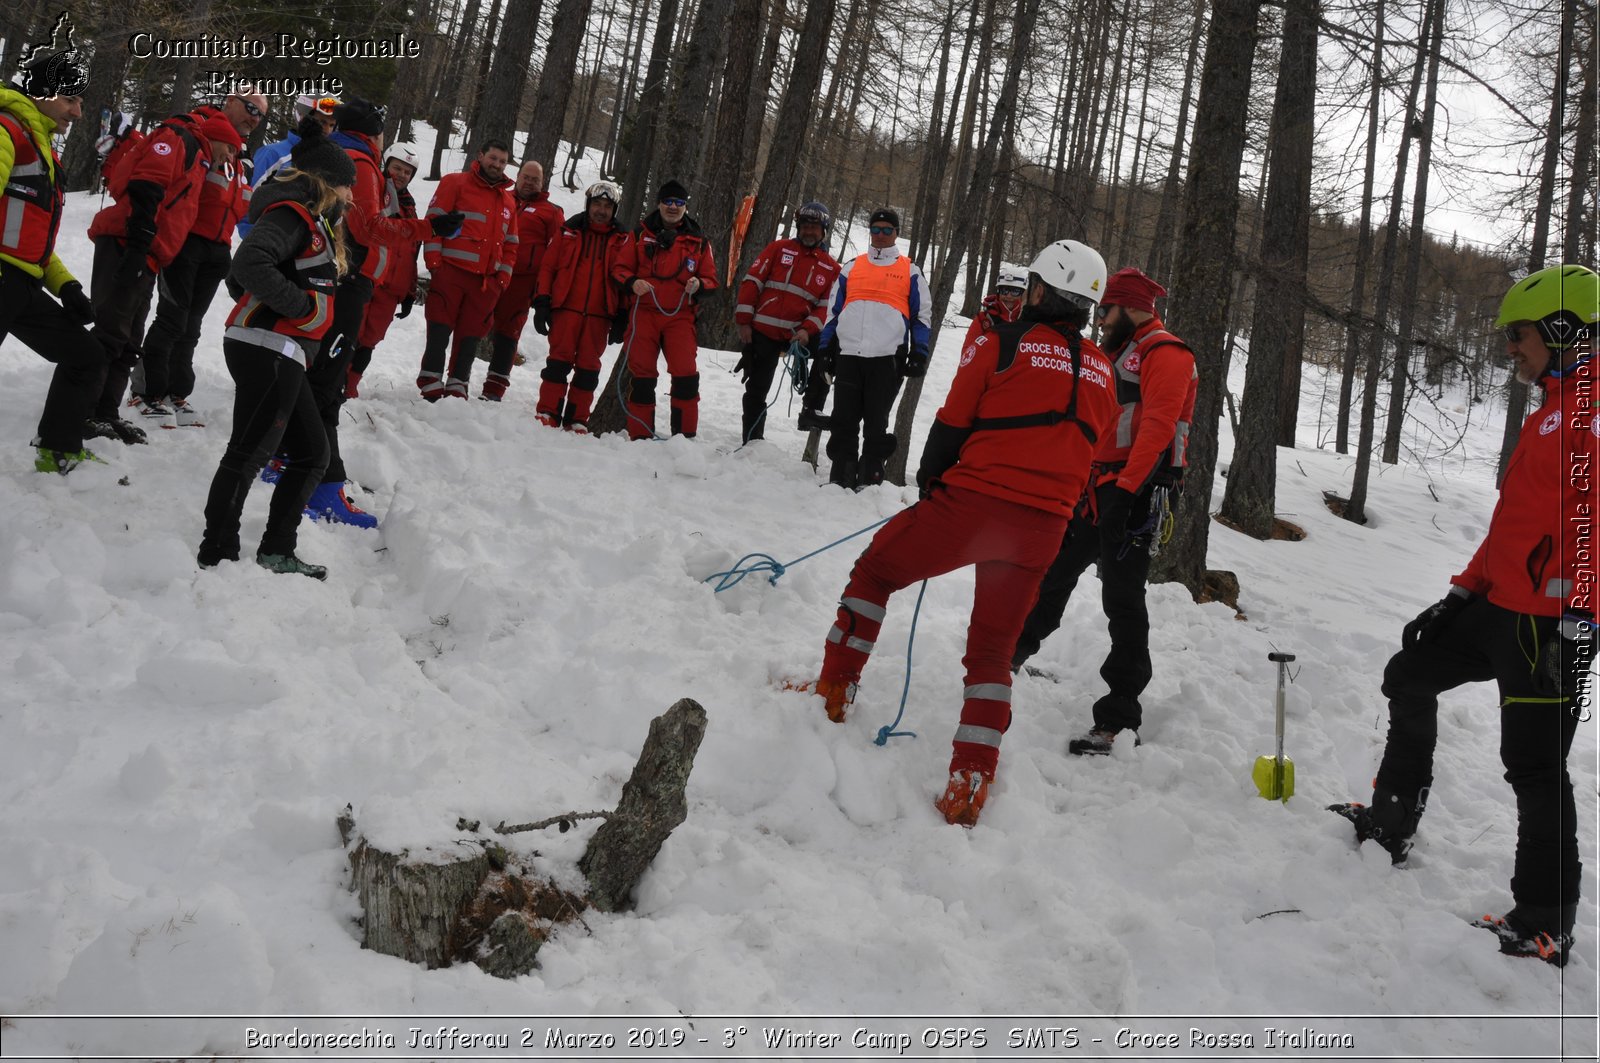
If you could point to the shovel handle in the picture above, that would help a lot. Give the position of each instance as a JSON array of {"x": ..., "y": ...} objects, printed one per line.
[{"x": 1281, "y": 658}]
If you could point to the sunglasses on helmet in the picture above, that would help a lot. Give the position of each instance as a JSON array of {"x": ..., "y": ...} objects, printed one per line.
[{"x": 325, "y": 106}]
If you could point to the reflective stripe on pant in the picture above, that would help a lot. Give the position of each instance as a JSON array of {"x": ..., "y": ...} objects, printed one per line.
[
  {"x": 1010, "y": 545},
  {"x": 576, "y": 340},
  {"x": 650, "y": 336},
  {"x": 1483, "y": 642}
]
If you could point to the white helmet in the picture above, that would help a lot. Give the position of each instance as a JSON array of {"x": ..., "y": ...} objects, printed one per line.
[
  {"x": 603, "y": 190},
  {"x": 1073, "y": 269},
  {"x": 403, "y": 150},
  {"x": 1012, "y": 277}
]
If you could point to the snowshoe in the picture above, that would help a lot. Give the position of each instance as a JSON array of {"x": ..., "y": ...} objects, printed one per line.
[
  {"x": 1096, "y": 743},
  {"x": 328, "y": 503},
  {"x": 61, "y": 461},
  {"x": 114, "y": 428},
  {"x": 1535, "y": 944},
  {"x": 963, "y": 798},
  {"x": 290, "y": 564}
]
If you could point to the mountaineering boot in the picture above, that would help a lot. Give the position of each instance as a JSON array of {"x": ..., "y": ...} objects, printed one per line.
[
  {"x": 963, "y": 798},
  {"x": 1096, "y": 743},
  {"x": 328, "y": 503},
  {"x": 186, "y": 415},
  {"x": 113, "y": 428},
  {"x": 213, "y": 554},
  {"x": 61, "y": 461},
  {"x": 837, "y": 695},
  {"x": 1390, "y": 820},
  {"x": 1541, "y": 933},
  {"x": 810, "y": 419},
  {"x": 289, "y": 563},
  {"x": 843, "y": 473}
]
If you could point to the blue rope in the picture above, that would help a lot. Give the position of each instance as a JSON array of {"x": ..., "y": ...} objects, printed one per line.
[
  {"x": 794, "y": 369},
  {"x": 767, "y": 563},
  {"x": 888, "y": 731}
]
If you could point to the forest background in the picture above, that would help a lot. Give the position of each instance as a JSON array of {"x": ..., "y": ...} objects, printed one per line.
[{"x": 1352, "y": 185}]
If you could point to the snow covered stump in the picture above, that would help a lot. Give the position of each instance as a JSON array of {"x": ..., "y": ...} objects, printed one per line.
[{"x": 485, "y": 908}]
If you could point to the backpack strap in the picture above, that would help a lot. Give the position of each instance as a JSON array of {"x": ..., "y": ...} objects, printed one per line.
[{"x": 1010, "y": 334}]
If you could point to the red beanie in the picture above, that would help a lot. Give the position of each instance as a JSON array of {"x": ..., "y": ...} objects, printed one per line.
[
  {"x": 219, "y": 128},
  {"x": 1131, "y": 289}
]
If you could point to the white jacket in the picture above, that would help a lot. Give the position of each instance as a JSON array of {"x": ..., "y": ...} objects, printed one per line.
[{"x": 873, "y": 330}]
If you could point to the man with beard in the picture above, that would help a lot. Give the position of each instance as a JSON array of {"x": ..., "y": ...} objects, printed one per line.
[
  {"x": 783, "y": 299},
  {"x": 1136, "y": 469}
]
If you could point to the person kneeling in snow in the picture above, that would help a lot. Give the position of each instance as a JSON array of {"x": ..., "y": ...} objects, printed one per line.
[
  {"x": 283, "y": 277},
  {"x": 1004, "y": 465},
  {"x": 1521, "y": 614}
]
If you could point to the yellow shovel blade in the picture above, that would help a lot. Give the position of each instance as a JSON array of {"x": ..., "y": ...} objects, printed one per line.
[{"x": 1269, "y": 783}]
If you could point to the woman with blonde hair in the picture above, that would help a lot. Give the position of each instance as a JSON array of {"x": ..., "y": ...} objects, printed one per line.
[{"x": 283, "y": 278}]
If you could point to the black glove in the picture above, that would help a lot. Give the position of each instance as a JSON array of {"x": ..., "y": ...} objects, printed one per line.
[
  {"x": 1116, "y": 505},
  {"x": 1434, "y": 619},
  {"x": 1564, "y": 655},
  {"x": 76, "y": 303},
  {"x": 828, "y": 356},
  {"x": 134, "y": 248},
  {"x": 942, "y": 450},
  {"x": 447, "y": 225},
  {"x": 405, "y": 307},
  {"x": 541, "y": 315},
  {"x": 619, "y": 329},
  {"x": 915, "y": 364},
  {"x": 744, "y": 360},
  {"x": 900, "y": 360}
]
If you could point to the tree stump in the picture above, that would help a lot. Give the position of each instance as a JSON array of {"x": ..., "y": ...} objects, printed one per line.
[
  {"x": 652, "y": 805},
  {"x": 475, "y": 903}
]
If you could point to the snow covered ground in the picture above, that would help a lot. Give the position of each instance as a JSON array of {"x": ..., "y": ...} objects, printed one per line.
[{"x": 176, "y": 746}]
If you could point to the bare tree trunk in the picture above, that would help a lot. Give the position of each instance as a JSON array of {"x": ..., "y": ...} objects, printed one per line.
[
  {"x": 961, "y": 237},
  {"x": 408, "y": 91},
  {"x": 633, "y": 47},
  {"x": 107, "y": 69},
  {"x": 686, "y": 115},
  {"x": 1203, "y": 269},
  {"x": 1581, "y": 216},
  {"x": 556, "y": 75},
  {"x": 444, "y": 107},
  {"x": 1278, "y": 321},
  {"x": 501, "y": 97},
  {"x": 1358, "y": 284},
  {"x": 1162, "y": 247},
  {"x": 1356, "y": 509},
  {"x": 652, "y": 101},
  {"x": 933, "y": 144},
  {"x": 1418, "y": 239},
  {"x": 183, "y": 76}
]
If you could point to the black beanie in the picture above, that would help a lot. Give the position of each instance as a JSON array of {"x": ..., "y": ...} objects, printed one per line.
[
  {"x": 672, "y": 190},
  {"x": 360, "y": 116},
  {"x": 883, "y": 214},
  {"x": 317, "y": 154}
]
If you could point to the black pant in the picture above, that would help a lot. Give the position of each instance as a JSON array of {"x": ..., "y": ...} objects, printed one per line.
[
  {"x": 329, "y": 373},
  {"x": 760, "y": 359},
  {"x": 28, "y": 313},
  {"x": 864, "y": 391},
  {"x": 273, "y": 412},
  {"x": 1124, "y": 566},
  {"x": 184, "y": 291},
  {"x": 1483, "y": 642},
  {"x": 119, "y": 315}
]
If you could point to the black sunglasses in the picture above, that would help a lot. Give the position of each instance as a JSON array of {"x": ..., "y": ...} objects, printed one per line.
[
  {"x": 881, "y": 230},
  {"x": 1514, "y": 333},
  {"x": 1102, "y": 312},
  {"x": 251, "y": 109}
]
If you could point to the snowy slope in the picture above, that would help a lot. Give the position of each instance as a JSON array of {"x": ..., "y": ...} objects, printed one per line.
[{"x": 176, "y": 745}]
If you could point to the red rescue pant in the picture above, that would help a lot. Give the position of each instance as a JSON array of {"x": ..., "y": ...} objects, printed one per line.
[
  {"x": 575, "y": 340},
  {"x": 652, "y": 334},
  {"x": 511, "y": 311},
  {"x": 378, "y": 315},
  {"x": 464, "y": 301},
  {"x": 1010, "y": 544}
]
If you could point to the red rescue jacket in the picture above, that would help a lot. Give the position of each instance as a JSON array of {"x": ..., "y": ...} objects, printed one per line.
[
  {"x": 1156, "y": 385},
  {"x": 667, "y": 259},
  {"x": 538, "y": 220},
  {"x": 487, "y": 243},
  {"x": 1024, "y": 372},
  {"x": 174, "y": 161},
  {"x": 374, "y": 236},
  {"x": 787, "y": 288},
  {"x": 402, "y": 275},
  {"x": 1536, "y": 557},
  {"x": 575, "y": 273}
]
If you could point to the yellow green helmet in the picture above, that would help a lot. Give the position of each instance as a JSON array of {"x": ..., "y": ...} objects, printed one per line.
[{"x": 1563, "y": 302}]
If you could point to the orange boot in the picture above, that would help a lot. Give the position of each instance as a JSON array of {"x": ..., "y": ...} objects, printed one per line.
[
  {"x": 963, "y": 797},
  {"x": 837, "y": 695}
]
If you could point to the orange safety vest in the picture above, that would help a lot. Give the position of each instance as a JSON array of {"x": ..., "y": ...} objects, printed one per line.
[{"x": 890, "y": 285}]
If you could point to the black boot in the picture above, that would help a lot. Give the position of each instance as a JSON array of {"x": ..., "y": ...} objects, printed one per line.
[
  {"x": 843, "y": 473},
  {"x": 1543, "y": 933},
  {"x": 1390, "y": 820}
]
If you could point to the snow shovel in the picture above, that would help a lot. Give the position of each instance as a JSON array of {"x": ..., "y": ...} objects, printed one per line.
[{"x": 1274, "y": 775}]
